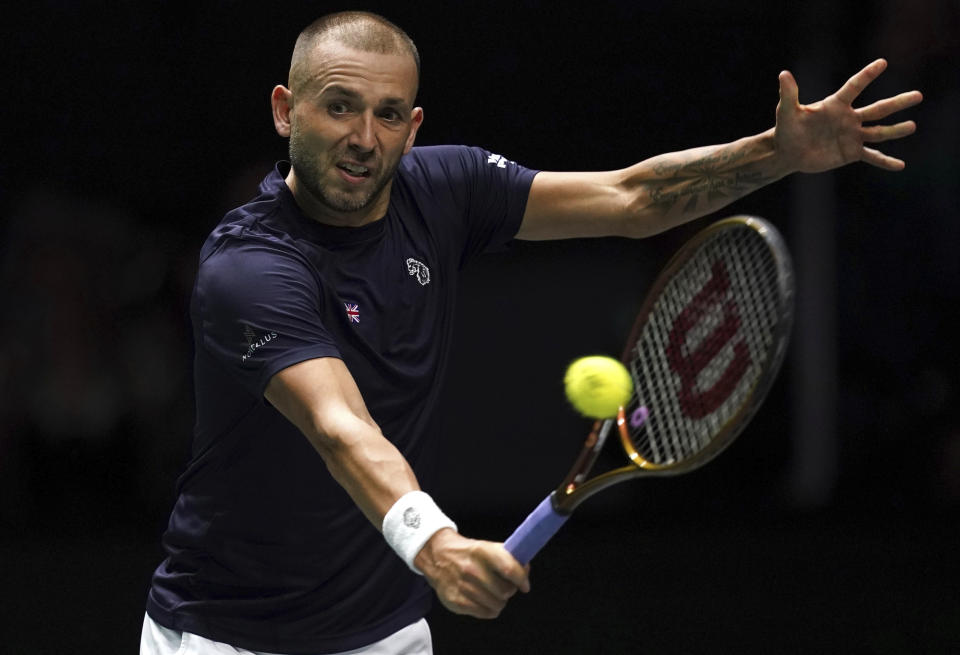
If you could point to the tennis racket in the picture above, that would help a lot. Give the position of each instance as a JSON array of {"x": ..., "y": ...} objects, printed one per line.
[{"x": 704, "y": 350}]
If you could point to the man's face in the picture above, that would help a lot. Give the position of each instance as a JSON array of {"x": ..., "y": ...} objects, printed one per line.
[{"x": 350, "y": 124}]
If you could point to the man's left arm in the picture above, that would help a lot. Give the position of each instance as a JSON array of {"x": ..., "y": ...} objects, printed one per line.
[{"x": 674, "y": 188}]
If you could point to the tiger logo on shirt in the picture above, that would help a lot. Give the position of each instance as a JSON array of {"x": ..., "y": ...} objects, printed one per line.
[{"x": 419, "y": 270}]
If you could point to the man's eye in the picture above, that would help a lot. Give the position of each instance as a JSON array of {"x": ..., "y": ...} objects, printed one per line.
[
  {"x": 338, "y": 108},
  {"x": 390, "y": 115}
]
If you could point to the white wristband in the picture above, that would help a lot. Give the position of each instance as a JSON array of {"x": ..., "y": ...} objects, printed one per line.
[{"x": 412, "y": 520}]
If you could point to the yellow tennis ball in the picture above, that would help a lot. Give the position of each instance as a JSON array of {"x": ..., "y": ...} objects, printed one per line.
[{"x": 597, "y": 386}]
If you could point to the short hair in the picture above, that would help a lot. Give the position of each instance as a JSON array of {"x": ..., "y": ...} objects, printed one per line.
[{"x": 362, "y": 30}]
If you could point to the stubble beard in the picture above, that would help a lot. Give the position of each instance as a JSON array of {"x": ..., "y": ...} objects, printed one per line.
[{"x": 309, "y": 173}]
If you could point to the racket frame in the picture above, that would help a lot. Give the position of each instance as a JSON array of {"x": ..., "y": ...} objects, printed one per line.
[{"x": 575, "y": 489}]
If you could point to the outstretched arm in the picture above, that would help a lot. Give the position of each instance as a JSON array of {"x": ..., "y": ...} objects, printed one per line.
[
  {"x": 321, "y": 398},
  {"x": 668, "y": 190}
]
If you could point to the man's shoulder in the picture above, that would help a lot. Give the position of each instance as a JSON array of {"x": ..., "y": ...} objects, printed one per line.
[
  {"x": 251, "y": 266},
  {"x": 258, "y": 224},
  {"x": 453, "y": 160},
  {"x": 241, "y": 256},
  {"x": 438, "y": 158},
  {"x": 438, "y": 168}
]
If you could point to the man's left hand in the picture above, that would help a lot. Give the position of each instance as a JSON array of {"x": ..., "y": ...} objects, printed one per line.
[{"x": 831, "y": 133}]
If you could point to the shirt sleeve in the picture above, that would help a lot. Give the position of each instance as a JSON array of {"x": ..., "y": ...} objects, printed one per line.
[
  {"x": 489, "y": 192},
  {"x": 257, "y": 310}
]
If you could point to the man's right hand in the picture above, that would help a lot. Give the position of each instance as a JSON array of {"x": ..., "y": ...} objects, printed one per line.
[{"x": 471, "y": 577}]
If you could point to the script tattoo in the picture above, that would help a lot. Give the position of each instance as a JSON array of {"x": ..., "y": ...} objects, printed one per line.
[{"x": 717, "y": 179}]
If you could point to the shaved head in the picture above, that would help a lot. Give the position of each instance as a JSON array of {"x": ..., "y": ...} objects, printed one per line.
[{"x": 359, "y": 30}]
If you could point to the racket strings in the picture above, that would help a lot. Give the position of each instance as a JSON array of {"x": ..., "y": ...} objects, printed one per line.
[{"x": 705, "y": 344}]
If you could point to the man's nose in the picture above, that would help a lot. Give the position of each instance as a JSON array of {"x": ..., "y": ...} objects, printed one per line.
[{"x": 364, "y": 136}]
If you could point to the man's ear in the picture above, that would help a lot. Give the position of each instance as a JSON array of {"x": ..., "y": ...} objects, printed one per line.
[
  {"x": 281, "y": 102},
  {"x": 416, "y": 120}
]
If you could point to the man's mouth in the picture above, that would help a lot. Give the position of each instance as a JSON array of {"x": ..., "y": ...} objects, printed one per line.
[{"x": 356, "y": 170}]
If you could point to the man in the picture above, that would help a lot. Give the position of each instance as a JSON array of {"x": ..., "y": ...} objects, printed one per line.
[{"x": 322, "y": 316}]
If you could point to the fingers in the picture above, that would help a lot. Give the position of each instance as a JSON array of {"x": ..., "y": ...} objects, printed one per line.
[
  {"x": 483, "y": 591},
  {"x": 481, "y": 596},
  {"x": 880, "y": 160},
  {"x": 881, "y": 133},
  {"x": 789, "y": 93},
  {"x": 883, "y": 108},
  {"x": 856, "y": 84},
  {"x": 511, "y": 571},
  {"x": 831, "y": 133},
  {"x": 496, "y": 580},
  {"x": 878, "y": 111},
  {"x": 473, "y": 577}
]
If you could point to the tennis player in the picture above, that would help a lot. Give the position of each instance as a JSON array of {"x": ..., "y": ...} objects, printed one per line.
[{"x": 322, "y": 316}]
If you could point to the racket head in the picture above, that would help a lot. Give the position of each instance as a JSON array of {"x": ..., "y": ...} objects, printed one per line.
[{"x": 707, "y": 345}]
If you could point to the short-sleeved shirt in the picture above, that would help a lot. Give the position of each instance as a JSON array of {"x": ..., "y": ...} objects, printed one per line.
[{"x": 265, "y": 551}]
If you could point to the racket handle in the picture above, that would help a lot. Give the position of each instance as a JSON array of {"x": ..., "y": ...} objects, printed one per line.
[{"x": 535, "y": 531}]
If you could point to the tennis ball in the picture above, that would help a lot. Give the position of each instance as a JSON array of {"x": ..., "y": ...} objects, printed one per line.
[{"x": 597, "y": 386}]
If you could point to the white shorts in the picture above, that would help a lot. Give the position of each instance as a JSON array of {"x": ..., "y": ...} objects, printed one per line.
[{"x": 157, "y": 640}]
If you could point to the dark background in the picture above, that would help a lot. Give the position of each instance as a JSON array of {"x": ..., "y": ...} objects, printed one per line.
[{"x": 830, "y": 525}]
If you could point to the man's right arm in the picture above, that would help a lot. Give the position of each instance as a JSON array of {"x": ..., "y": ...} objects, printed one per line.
[{"x": 321, "y": 398}]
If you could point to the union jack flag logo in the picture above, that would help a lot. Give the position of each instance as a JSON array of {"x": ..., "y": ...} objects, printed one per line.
[{"x": 353, "y": 313}]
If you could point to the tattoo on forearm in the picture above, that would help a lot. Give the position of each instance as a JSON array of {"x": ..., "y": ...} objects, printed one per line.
[{"x": 718, "y": 178}]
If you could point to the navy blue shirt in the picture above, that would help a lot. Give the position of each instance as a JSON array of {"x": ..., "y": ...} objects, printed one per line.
[{"x": 265, "y": 550}]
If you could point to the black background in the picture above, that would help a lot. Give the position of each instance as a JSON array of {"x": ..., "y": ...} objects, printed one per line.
[{"x": 129, "y": 129}]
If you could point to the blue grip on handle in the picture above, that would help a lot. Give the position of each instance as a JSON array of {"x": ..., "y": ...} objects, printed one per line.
[{"x": 535, "y": 531}]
